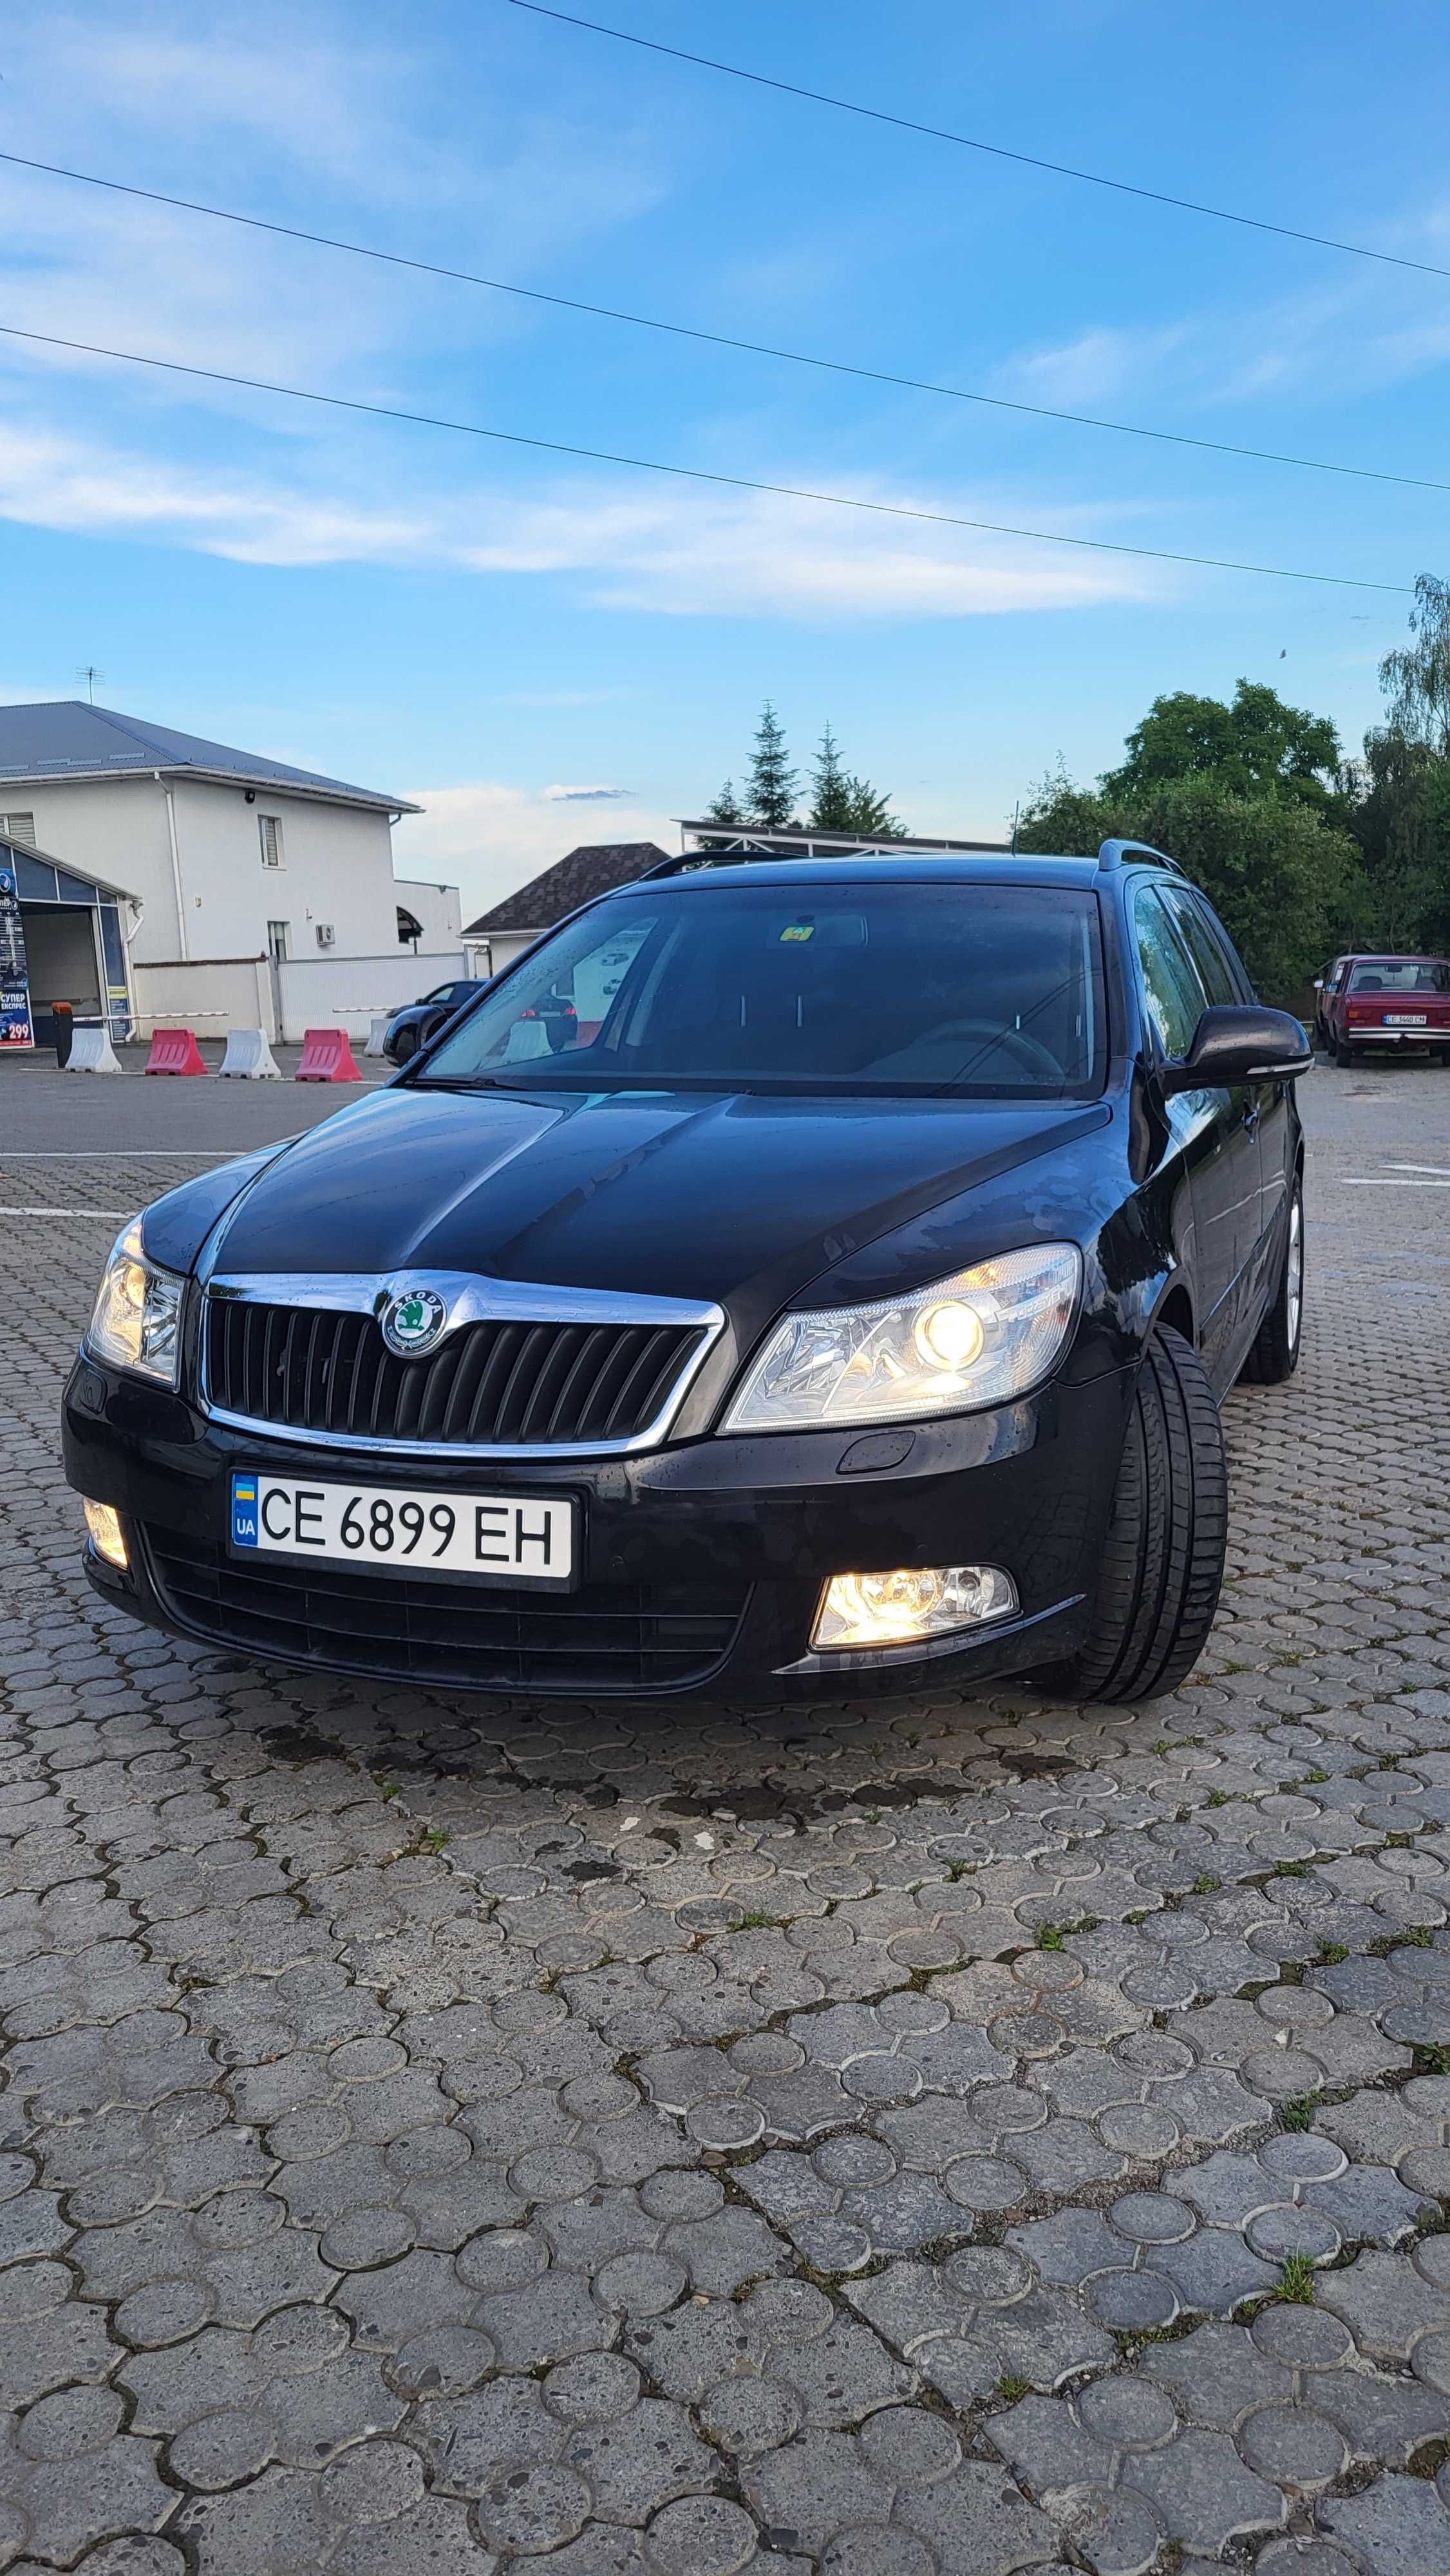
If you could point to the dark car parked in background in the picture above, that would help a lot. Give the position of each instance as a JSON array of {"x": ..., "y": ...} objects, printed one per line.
[
  {"x": 1387, "y": 1005},
  {"x": 418, "y": 1023},
  {"x": 805, "y": 1277}
]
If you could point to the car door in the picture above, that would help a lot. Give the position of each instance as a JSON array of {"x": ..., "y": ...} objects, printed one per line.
[
  {"x": 1225, "y": 978},
  {"x": 1216, "y": 1133}
]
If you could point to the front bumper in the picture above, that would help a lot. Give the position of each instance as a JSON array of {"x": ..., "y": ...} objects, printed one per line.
[
  {"x": 744, "y": 1532},
  {"x": 1426, "y": 1037}
]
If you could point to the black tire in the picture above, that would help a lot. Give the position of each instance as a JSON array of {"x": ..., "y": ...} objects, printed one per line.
[
  {"x": 1162, "y": 1564},
  {"x": 1343, "y": 1054},
  {"x": 1274, "y": 1352}
]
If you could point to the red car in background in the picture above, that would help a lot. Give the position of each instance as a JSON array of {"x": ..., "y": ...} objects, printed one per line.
[{"x": 1387, "y": 1005}]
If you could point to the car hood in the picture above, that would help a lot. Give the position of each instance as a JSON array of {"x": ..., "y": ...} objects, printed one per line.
[{"x": 740, "y": 1199}]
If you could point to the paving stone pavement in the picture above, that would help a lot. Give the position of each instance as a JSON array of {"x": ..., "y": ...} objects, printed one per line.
[{"x": 941, "y": 2138}]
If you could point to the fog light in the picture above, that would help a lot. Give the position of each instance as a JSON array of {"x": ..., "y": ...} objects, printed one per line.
[
  {"x": 105, "y": 1530},
  {"x": 911, "y": 1604}
]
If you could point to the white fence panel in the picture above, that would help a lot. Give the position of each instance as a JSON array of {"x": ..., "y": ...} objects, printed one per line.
[
  {"x": 208, "y": 994},
  {"x": 350, "y": 992}
]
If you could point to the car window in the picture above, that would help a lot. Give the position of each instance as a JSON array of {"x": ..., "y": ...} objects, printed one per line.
[
  {"x": 440, "y": 993},
  {"x": 1207, "y": 945},
  {"x": 1401, "y": 975},
  {"x": 1176, "y": 999},
  {"x": 901, "y": 986}
]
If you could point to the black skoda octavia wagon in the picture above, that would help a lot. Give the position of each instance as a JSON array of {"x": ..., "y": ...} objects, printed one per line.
[{"x": 791, "y": 1277}]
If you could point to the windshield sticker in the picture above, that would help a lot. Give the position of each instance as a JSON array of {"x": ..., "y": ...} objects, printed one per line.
[{"x": 798, "y": 930}]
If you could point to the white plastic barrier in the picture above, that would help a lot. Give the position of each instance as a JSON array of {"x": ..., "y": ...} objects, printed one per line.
[
  {"x": 249, "y": 1057},
  {"x": 91, "y": 1051},
  {"x": 377, "y": 1031}
]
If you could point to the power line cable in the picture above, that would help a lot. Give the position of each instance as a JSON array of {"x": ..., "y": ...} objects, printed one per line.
[
  {"x": 692, "y": 473},
  {"x": 712, "y": 339},
  {"x": 973, "y": 143}
]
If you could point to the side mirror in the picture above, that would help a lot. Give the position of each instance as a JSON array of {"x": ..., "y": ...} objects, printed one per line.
[{"x": 1239, "y": 1044}]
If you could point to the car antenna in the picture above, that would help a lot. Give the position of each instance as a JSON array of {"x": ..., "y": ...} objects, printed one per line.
[{"x": 1016, "y": 810}]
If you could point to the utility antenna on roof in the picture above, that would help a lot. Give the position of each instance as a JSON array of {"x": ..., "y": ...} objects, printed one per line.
[{"x": 90, "y": 675}]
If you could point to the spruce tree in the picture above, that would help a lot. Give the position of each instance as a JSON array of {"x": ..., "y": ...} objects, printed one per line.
[
  {"x": 831, "y": 799},
  {"x": 772, "y": 779},
  {"x": 869, "y": 814},
  {"x": 726, "y": 807}
]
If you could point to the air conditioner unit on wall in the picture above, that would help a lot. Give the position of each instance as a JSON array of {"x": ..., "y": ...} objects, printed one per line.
[{"x": 325, "y": 934}]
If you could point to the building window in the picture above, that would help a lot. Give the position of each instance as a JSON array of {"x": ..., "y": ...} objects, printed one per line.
[
  {"x": 19, "y": 827},
  {"x": 269, "y": 827},
  {"x": 277, "y": 941}
]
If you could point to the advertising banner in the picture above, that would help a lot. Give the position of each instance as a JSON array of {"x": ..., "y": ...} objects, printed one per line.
[{"x": 15, "y": 1022}]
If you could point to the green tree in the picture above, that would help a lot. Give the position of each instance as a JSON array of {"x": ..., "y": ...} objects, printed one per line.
[
  {"x": 1401, "y": 788},
  {"x": 831, "y": 788},
  {"x": 1416, "y": 677},
  {"x": 725, "y": 807},
  {"x": 772, "y": 780},
  {"x": 870, "y": 815},
  {"x": 1286, "y": 879},
  {"x": 1256, "y": 746},
  {"x": 843, "y": 803},
  {"x": 1402, "y": 824}
]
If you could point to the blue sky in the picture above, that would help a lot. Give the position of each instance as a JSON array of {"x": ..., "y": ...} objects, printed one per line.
[{"x": 475, "y": 626}]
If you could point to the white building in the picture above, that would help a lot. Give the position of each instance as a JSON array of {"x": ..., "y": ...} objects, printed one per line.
[{"x": 253, "y": 892}]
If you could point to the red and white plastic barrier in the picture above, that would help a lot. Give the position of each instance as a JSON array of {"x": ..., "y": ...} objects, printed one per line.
[
  {"x": 326, "y": 1057},
  {"x": 174, "y": 1051}
]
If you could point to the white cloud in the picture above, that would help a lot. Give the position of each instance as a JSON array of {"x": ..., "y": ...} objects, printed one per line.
[
  {"x": 668, "y": 551},
  {"x": 488, "y": 838},
  {"x": 1292, "y": 343},
  {"x": 1093, "y": 367},
  {"x": 305, "y": 118},
  {"x": 586, "y": 795}
]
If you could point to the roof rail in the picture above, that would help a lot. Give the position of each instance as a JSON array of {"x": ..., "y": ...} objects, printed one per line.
[
  {"x": 683, "y": 863},
  {"x": 1113, "y": 853},
  {"x": 745, "y": 854}
]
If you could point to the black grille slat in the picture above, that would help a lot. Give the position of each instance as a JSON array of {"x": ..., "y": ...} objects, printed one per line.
[
  {"x": 605, "y": 1637},
  {"x": 488, "y": 1385},
  {"x": 642, "y": 1374},
  {"x": 533, "y": 1350},
  {"x": 502, "y": 1346},
  {"x": 467, "y": 1378}
]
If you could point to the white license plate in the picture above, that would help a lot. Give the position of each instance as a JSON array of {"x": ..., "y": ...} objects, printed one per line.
[
  {"x": 1406, "y": 1019},
  {"x": 505, "y": 1538}
]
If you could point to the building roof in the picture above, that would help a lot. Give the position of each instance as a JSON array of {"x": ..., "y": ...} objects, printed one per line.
[
  {"x": 31, "y": 868},
  {"x": 596, "y": 867},
  {"x": 804, "y": 841},
  {"x": 66, "y": 738}
]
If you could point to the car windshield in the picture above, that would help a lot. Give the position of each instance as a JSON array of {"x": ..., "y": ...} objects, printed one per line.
[
  {"x": 1401, "y": 975},
  {"x": 986, "y": 990}
]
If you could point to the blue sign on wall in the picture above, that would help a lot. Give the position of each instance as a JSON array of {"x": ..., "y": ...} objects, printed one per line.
[{"x": 16, "y": 1029}]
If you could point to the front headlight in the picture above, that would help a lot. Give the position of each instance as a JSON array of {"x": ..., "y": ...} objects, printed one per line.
[
  {"x": 980, "y": 1338},
  {"x": 138, "y": 1311}
]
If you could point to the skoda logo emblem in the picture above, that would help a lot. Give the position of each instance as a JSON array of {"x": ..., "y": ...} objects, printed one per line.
[{"x": 413, "y": 1320}]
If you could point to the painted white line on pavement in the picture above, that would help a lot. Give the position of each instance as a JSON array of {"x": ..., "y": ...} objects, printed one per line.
[
  {"x": 1377, "y": 1184},
  {"x": 113, "y": 1216},
  {"x": 110, "y": 1154},
  {"x": 1436, "y": 1171}
]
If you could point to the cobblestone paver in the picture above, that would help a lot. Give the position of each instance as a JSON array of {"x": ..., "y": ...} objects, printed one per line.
[{"x": 936, "y": 2138}]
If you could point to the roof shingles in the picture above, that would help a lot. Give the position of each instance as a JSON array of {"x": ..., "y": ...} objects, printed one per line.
[
  {"x": 596, "y": 867},
  {"x": 66, "y": 738}
]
